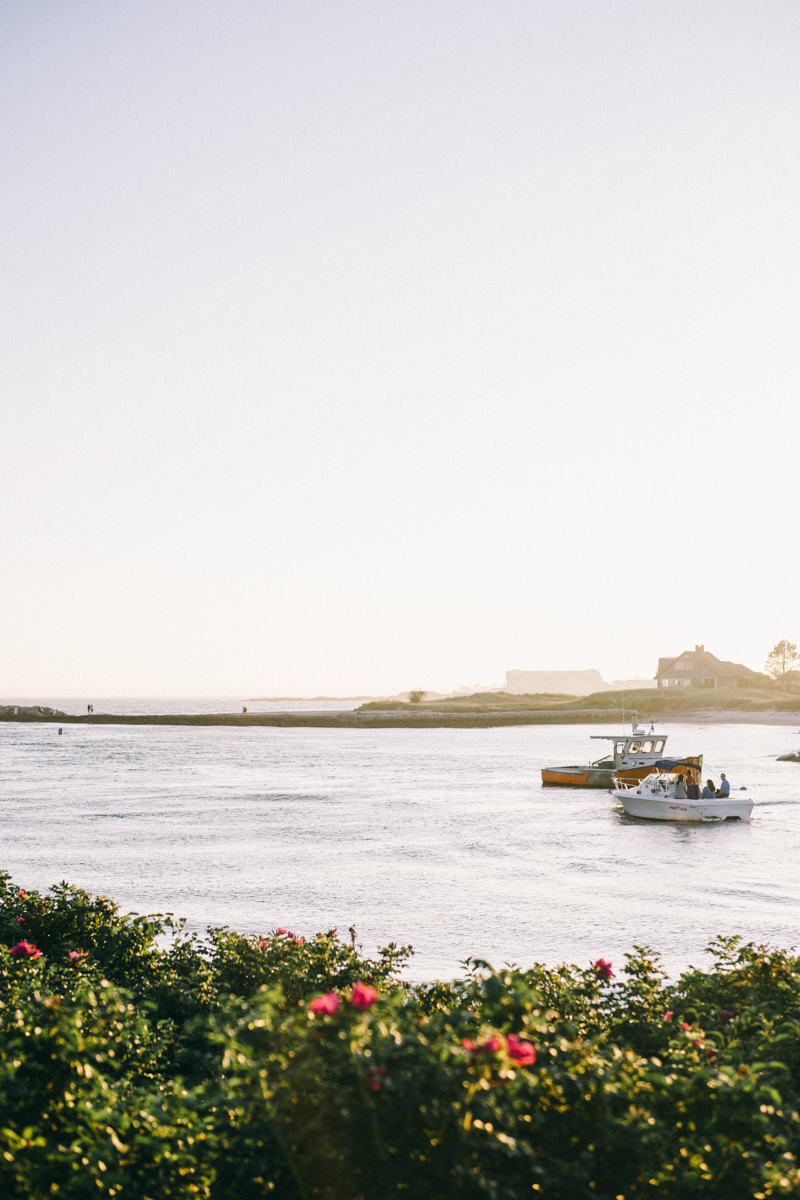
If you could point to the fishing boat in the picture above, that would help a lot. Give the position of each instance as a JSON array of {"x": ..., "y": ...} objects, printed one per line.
[
  {"x": 662, "y": 797},
  {"x": 631, "y": 757}
]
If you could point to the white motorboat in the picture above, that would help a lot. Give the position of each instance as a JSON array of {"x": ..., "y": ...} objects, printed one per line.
[{"x": 655, "y": 797}]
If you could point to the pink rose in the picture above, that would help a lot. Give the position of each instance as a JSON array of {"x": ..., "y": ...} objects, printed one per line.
[
  {"x": 20, "y": 920},
  {"x": 327, "y": 1004},
  {"x": 363, "y": 996},
  {"x": 262, "y": 945},
  {"x": 491, "y": 1046},
  {"x": 684, "y": 1026},
  {"x": 280, "y": 931},
  {"x": 74, "y": 955},
  {"x": 523, "y": 1053},
  {"x": 24, "y": 950},
  {"x": 301, "y": 941},
  {"x": 22, "y": 895},
  {"x": 668, "y": 1015},
  {"x": 725, "y": 1014},
  {"x": 373, "y": 1078},
  {"x": 603, "y": 968}
]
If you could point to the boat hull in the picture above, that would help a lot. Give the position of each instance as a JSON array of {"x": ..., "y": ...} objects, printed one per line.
[
  {"x": 582, "y": 777},
  {"x": 671, "y": 809}
]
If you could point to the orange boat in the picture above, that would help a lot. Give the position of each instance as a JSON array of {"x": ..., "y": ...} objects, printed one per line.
[{"x": 631, "y": 758}]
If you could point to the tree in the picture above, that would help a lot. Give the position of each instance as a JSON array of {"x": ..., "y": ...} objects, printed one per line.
[
  {"x": 782, "y": 657},
  {"x": 416, "y": 696}
]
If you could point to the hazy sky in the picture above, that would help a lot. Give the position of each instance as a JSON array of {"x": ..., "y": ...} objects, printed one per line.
[{"x": 360, "y": 346}]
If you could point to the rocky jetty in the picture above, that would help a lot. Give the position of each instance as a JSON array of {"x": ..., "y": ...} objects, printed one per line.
[
  {"x": 33, "y": 712},
  {"x": 348, "y": 719},
  {"x": 789, "y": 757}
]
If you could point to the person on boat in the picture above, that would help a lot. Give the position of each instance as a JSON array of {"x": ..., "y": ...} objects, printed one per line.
[
  {"x": 724, "y": 789},
  {"x": 709, "y": 791},
  {"x": 680, "y": 788},
  {"x": 692, "y": 790}
]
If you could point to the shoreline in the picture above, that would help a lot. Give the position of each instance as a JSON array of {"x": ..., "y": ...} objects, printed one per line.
[{"x": 424, "y": 719}]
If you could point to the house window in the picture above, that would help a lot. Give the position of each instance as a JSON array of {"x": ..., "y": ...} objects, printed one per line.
[{"x": 709, "y": 682}]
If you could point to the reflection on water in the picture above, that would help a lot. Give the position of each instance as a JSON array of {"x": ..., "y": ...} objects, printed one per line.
[{"x": 443, "y": 838}]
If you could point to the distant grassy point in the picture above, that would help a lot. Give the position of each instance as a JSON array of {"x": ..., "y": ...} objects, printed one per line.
[
  {"x": 762, "y": 705},
  {"x": 647, "y": 702}
]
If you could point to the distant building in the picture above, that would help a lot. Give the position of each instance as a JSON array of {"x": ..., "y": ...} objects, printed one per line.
[
  {"x": 698, "y": 668},
  {"x": 570, "y": 683},
  {"x": 630, "y": 685}
]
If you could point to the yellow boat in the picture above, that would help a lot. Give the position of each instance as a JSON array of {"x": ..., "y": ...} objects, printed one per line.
[{"x": 631, "y": 758}]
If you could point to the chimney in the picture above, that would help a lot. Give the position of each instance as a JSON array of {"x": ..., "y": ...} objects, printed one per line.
[{"x": 699, "y": 649}]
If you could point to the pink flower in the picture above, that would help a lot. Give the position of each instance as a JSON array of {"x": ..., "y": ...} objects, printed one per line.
[
  {"x": 725, "y": 1014},
  {"x": 22, "y": 895},
  {"x": 363, "y": 996},
  {"x": 523, "y": 1053},
  {"x": 373, "y": 1078},
  {"x": 668, "y": 1015},
  {"x": 75, "y": 955},
  {"x": 24, "y": 950},
  {"x": 603, "y": 968},
  {"x": 290, "y": 934},
  {"x": 301, "y": 941},
  {"x": 262, "y": 945},
  {"x": 280, "y": 931},
  {"x": 326, "y": 1004},
  {"x": 491, "y": 1046},
  {"x": 20, "y": 920},
  {"x": 684, "y": 1026}
]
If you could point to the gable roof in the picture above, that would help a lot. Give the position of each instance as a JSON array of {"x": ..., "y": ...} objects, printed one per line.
[{"x": 718, "y": 666}]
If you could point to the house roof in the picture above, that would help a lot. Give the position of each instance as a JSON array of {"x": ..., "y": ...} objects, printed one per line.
[{"x": 716, "y": 665}]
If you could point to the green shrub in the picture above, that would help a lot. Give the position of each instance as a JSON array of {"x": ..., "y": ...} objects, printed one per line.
[{"x": 140, "y": 1061}]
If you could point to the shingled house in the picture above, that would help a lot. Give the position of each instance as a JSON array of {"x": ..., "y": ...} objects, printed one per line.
[{"x": 698, "y": 668}]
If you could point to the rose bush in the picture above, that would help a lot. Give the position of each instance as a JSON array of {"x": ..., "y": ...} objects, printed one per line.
[{"x": 137, "y": 1060}]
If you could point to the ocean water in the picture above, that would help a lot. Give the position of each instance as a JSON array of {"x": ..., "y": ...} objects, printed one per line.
[{"x": 442, "y": 838}]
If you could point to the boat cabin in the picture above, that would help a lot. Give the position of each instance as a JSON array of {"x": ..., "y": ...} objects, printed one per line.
[{"x": 631, "y": 750}]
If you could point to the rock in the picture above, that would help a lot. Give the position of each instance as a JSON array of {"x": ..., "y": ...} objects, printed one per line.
[
  {"x": 31, "y": 712},
  {"x": 789, "y": 757}
]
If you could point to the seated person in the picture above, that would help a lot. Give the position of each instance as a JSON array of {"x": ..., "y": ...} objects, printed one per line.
[
  {"x": 708, "y": 792},
  {"x": 680, "y": 788},
  {"x": 724, "y": 789}
]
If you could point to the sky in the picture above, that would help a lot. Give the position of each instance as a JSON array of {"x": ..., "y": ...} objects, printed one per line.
[{"x": 350, "y": 347}]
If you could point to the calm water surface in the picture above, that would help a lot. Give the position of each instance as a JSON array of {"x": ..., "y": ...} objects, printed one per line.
[{"x": 443, "y": 838}]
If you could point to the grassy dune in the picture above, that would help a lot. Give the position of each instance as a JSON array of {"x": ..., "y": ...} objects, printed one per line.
[{"x": 647, "y": 702}]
